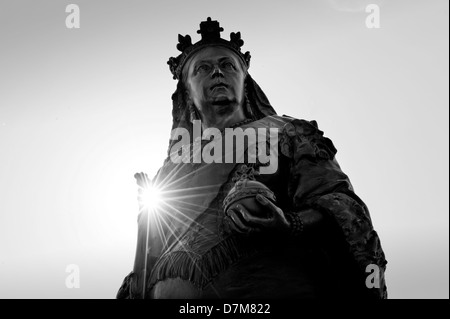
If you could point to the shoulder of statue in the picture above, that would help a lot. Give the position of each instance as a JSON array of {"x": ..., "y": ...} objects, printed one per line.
[
  {"x": 272, "y": 121},
  {"x": 300, "y": 138},
  {"x": 286, "y": 121}
]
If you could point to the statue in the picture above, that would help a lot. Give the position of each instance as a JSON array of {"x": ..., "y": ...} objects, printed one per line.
[{"x": 251, "y": 224}]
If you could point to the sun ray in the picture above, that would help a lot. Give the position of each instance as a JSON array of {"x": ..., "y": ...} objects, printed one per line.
[
  {"x": 177, "y": 241},
  {"x": 162, "y": 207}
]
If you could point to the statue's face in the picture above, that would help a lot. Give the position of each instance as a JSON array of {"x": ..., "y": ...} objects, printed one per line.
[{"x": 214, "y": 80}]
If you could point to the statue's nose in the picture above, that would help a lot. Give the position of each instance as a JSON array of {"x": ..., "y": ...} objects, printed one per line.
[{"x": 217, "y": 72}]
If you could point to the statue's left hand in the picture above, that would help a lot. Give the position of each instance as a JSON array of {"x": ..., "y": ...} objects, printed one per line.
[{"x": 245, "y": 221}]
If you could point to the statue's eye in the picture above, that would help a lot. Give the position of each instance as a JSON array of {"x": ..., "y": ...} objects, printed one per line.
[
  {"x": 203, "y": 67},
  {"x": 228, "y": 65}
]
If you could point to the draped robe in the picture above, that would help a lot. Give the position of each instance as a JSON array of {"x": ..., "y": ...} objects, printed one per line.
[{"x": 186, "y": 250}]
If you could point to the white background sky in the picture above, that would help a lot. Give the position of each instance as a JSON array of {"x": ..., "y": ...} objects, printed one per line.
[{"x": 82, "y": 110}]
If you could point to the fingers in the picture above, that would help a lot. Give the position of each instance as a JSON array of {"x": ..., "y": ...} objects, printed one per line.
[
  {"x": 139, "y": 177},
  {"x": 278, "y": 220},
  {"x": 142, "y": 179},
  {"x": 237, "y": 223},
  {"x": 264, "y": 201},
  {"x": 251, "y": 219},
  {"x": 268, "y": 204},
  {"x": 245, "y": 221}
]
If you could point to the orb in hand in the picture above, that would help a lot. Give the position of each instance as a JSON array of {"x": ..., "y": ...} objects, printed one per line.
[{"x": 244, "y": 192}]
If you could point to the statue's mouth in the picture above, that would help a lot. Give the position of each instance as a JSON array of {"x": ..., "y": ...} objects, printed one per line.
[{"x": 219, "y": 85}]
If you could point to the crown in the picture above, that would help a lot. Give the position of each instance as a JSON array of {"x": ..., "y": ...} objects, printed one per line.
[{"x": 210, "y": 32}]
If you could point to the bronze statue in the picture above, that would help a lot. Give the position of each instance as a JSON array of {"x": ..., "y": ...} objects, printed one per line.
[{"x": 249, "y": 227}]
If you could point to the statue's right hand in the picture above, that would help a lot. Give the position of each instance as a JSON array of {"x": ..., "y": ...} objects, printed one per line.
[{"x": 143, "y": 182}]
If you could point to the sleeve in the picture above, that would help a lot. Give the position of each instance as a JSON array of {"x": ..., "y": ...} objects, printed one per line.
[{"x": 317, "y": 182}]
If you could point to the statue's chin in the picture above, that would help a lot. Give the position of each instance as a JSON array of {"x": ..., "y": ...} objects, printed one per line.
[
  {"x": 221, "y": 99},
  {"x": 222, "y": 104}
]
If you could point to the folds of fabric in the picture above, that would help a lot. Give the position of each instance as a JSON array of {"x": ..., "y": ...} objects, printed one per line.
[{"x": 188, "y": 243}]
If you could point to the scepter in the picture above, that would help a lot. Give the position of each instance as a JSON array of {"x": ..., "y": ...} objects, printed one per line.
[{"x": 149, "y": 198}]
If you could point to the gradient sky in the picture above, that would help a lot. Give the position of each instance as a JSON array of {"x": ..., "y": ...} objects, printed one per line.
[{"x": 82, "y": 110}]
